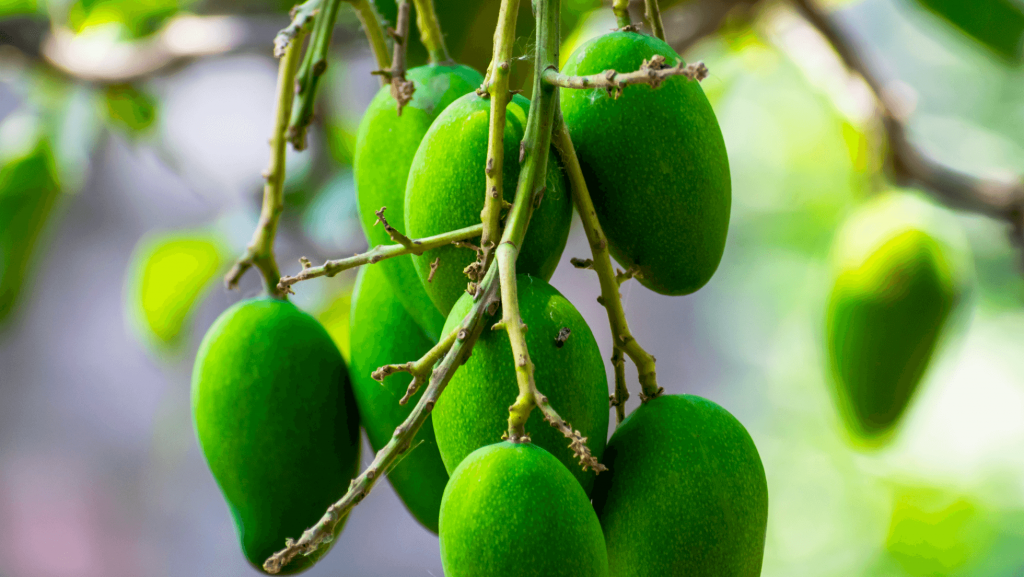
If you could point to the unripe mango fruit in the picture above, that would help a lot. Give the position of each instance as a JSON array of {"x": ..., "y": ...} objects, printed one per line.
[
  {"x": 655, "y": 163},
  {"x": 446, "y": 190},
  {"x": 512, "y": 509},
  {"x": 901, "y": 269},
  {"x": 473, "y": 411},
  {"x": 385, "y": 146},
  {"x": 277, "y": 423},
  {"x": 383, "y": 333},
  {"x": 685, "y": 493}
]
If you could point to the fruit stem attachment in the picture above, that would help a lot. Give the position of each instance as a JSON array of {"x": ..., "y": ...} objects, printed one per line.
[
  {"x": 430, "y": 32},
  {"x": 469, "y": 330},
  {"x": 652, "y": 73},
  {"x": 302, "y": 15},
  {"x": 496, "y": 87},
  {"x": 315, "y": 62},
  {"x": 535, "y": 150},
  {"x": 260, "y": 252},
  {"x": 421, "y": 369},
  {"x": 377, "y": 254},
  {"x": 313, "y": 66},
  {"x": 622, "y": 338},
  {"x": 621, "y": 10},
  {"x": 653, "y": 13},
  {"x": 374, "y": 32},
  {"x": 401, "y": 89}
]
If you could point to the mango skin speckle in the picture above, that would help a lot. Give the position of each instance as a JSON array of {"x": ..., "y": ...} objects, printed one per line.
[
  {"x": 512, "y": 509},
  {"x": 277, "y": 422},
  {"x": 473, "y": 411},
  {"x": 685, "y": 493}
]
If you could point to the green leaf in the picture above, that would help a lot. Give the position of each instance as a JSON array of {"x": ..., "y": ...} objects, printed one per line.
[
  {"x": 12, "y": 8},
  {"x": 167, "y": 275},
  {"x": 998, "y": 24},
  {"x": 139, "y": 17},
  {"x": 130, "y": 109},
  {"x": 28, "y": 191}
]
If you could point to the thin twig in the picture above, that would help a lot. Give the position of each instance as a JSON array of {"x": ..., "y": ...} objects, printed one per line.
[
  {"x": 401, "y": 89},
  {"x": 602, "y": 264},
  {"x": 467, "y": 334},
  {"x": 315, "y": 62},
  {"x": 302, "y": 15},
  {"x": 621, "y": 395},
  {"x": 374, "y": 32},
  {"x": 377, "y": 254},
  {"x": 393, "y": 233},
  {"x": 430, "y": 32},
  {"x": 909, "y": 164},
  {"x": 652, "y": 73},
  {"x": 420, "y": 369},
  {"x": 535, "y": 146},
  {"x": 260, "y": 252},
  {"x": 653, "y": 14},
  {"x": 496, "y": 86},
  {"x": 621, "y": 10}
]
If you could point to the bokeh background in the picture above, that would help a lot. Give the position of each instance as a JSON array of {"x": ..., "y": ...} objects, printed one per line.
[{"x": 145, "y": 124}]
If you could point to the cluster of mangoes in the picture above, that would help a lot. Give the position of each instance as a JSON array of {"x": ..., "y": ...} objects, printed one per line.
[{"x": 277, "y": 412}]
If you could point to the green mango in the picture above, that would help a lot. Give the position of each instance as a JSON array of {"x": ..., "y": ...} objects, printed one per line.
[
  {"x": 276, "y": 420},
  {"x": 385, "y": 146},
  {"x": 473, "y": 411},
  {"x": 28, "y": 194},
  {"x": 685, "y": 493},
  {"x": 512, "y": 509},
  {"x": 382, "y": 333},
  {"x": 997, "y": 24},
  {"x": 446, "y": 191},
  {"x": 900, "y": 271},
  {"x": 655, "y": 163}
]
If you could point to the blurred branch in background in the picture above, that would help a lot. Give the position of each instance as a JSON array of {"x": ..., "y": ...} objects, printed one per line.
[
  {"x": 909, "y": 164},
  {"x": 690, "y": 23}
]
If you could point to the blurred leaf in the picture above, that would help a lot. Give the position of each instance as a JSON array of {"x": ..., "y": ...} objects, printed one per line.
[
  {"x": 68, "y": 115},
  {"x": 130, "y": 109},
  {"x": 998, "y": 24},
  {"x": 28, "y": 191},
  {"x": 139, "y": 17},
  {"x": 934, "y": 532},
  {"x": 9, "y": 8},
  {"x": 167, "y": 274}
]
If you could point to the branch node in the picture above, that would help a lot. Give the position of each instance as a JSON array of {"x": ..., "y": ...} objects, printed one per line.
[{"x": 433, "y": 269}]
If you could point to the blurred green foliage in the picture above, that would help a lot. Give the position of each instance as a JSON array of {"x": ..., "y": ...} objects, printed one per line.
[
  {"x": 167, "y": 275},
  {"x": 130, "y": 108},
  {"x": 935, "y": 532},
  {"x": 11, "y": 8},
  {"x": 998, "y": 24},
  {"x": 28, "y": 193},
  {"x": 137, "y": 17}
]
